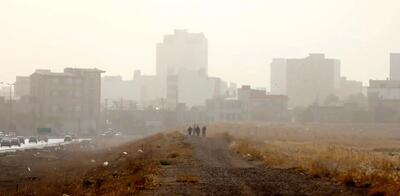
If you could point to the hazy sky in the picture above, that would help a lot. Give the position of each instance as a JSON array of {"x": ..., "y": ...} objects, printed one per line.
[{"x": 244, "y": 35}]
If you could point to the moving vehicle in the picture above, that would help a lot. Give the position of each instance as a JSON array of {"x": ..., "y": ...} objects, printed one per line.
[
  {"x": 15, "y": 142},
  {"x": 5, "y": 142},
  {"x": 33, "y": 140},
  {"x": 21, "y": 139},
  {"x": 68, "y": 138},
  {"x": 43, "y": 139}
]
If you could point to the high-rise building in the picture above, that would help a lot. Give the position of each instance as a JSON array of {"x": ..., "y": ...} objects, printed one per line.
[
  {"x": 181, "y": 51},
  {"x": 278, "y": 76},
  {"x": 310, "y": 80},
  {"x": 395, "y": 66}
]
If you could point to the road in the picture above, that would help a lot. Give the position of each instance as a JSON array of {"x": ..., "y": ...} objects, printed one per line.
[
  {"x": 27, "y": 145},
  {"x": 215, "y": 170}
]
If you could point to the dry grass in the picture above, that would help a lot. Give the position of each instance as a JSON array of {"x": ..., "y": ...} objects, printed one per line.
[
  {"x": 83, "y": 173},
  {"x": 361, "y": 156},
  {"x": 187, "y": 179}
]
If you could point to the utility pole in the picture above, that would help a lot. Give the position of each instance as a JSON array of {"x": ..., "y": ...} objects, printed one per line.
[
  {"x": 106, "y": 114},
  {"x": 11, "y": 110}
]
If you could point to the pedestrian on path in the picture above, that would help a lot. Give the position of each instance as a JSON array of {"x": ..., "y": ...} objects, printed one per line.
[
  {"x": 197, "y": 130},
  {"x": 190, "y": 129},
  {"x": 203, "y": 131}
]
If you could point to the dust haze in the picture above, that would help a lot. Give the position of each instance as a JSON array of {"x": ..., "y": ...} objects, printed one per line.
[{"x": 199, "y": 97}]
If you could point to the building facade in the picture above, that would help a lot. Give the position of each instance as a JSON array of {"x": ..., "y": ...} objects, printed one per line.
[
  {"x": 278, "y": 76},
  {"x": 22, "y": 86},
  {"x": 258, "y": 106},
  {"x": 395, "y": 66},
  {"x": 312, "y": 79},
  {"x": 181, "y": 51},
  {"x": 384, "y": 100},
  {"x": 348, "y": 88},
  {"x": 67, "y": 101},
  {"x": 224, "y": 110}
]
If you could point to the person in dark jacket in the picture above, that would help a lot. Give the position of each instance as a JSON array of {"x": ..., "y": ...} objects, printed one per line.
[
  {"x": 190, "y": 129},
  {"x": 198, "y": 130},
  {"x": 203, "y": 131}
]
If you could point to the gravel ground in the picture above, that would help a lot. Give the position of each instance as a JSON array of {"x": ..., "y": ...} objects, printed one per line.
[{"x": 214, "y": 170}]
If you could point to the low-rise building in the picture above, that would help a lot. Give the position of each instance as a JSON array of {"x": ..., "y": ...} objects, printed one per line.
[
  {"x": 258, "y": 106},
  {"x": 224, "y": 110},
  {"x": 67, "y": 101},
  {"x": 384, "y": 100},
  {"x": 250, "y": 105},
  {"x": 348, "y": 88}
]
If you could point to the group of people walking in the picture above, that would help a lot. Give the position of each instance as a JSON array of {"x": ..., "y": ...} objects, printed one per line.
[{"x": 195, "y": 130}]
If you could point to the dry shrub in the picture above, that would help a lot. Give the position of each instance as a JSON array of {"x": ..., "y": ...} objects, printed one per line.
[
  {"x": 165, "y": 162},
  {"x": 320, "y": 153}
]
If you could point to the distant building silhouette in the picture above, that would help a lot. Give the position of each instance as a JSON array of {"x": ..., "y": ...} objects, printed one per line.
[
  {"x": 348, "y": 88},
  {"x": 142, "y": 89},
  {"x": 22, "y": 86},
  {"x": 310, "y": 80},
  {"x": 181, "y": 51},
  {"x": 193, "y": 88},
  {"x": 278, "y": 76},
  {"x": 395, "y": 66},
  {"x": 384, "y": 100},
  {"x": 258, "y": 106}
]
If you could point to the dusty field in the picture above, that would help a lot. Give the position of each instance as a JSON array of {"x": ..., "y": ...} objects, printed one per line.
[
  {"x": 164, "y": 164},
  {"x": 365, "y": 156},
  {"x": 79, "y": 169},
  {"x": 213, "y": 169}
]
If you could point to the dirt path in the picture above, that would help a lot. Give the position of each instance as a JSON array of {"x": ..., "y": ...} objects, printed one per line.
[{"x": 212, "y": 169}]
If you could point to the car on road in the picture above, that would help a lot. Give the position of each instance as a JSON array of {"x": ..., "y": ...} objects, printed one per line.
[
  {"x": 43, "y": 139},
  {"x": 33, "y": 140},
  {"x": 67, "y": 138},
  {"x": 21, "y": 139},
  {"x": 15, "y": 142},
  {"x": 5, "y": 142}
]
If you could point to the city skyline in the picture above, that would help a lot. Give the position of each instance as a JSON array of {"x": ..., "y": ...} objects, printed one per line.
[{"x": 361, "y": 35}]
